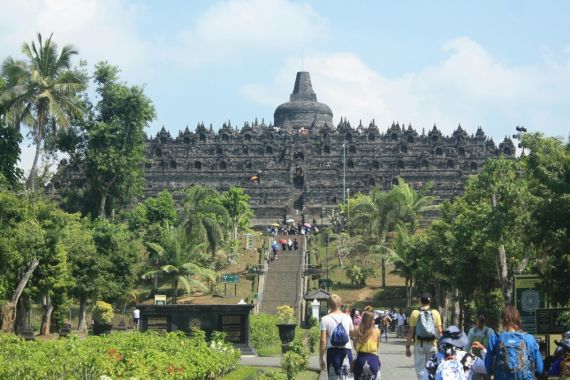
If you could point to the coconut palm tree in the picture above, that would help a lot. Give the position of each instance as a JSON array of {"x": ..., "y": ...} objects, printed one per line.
[
  {"x": 415, "y": 204},
  {"x": 204, "y": 217},
  {"x": 42, "y": 91},
  {"x": 173, "y": 262}
]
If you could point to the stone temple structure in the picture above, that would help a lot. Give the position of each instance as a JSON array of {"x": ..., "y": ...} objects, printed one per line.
[{"x": 297, "y": 165}]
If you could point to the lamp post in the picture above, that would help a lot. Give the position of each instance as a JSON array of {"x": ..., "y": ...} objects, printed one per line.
[
  {"x": 347, "y": 205},
  {"x": 343, "y": 172},
  {"x": 521, "y": 130}
]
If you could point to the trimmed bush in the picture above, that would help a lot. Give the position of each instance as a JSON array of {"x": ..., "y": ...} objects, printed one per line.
[
  {"x": 117, "y": 356},
  {"x": 264, "y": 332},
  {"x": 102, "y": 313}
]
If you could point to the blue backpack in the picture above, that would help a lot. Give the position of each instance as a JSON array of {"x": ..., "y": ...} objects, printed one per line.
[
  {"x": 512, "y": 358},
  {"x": 339, "y": 336}
]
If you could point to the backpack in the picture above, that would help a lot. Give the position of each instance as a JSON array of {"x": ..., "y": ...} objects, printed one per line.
[
  {"x": 425, "y": 327},
  {"x": 450, "y": 370},
  {"x": 511, "y": 357},
  {"x": 339, "y": 336}
]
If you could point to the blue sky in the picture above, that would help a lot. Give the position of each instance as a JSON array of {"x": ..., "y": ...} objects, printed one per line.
[{"x": 497, "y": 64}]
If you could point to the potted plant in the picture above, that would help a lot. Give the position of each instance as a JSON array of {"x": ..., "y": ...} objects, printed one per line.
[
  {"x": 102, "y": 316},
  {"x": 286, "y": 323}
]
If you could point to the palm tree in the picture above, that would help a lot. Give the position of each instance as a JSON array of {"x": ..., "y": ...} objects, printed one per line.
[
  {"x": 42, "y": 92},
  {"x": 403, "y": 258},
  {"x": 205, "y": 219},
  {"x": 174, "y": 262},
  {"x": 414, "y": 203}
]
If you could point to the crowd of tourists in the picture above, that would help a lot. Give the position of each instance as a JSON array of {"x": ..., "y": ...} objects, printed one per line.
[{"x": 439, "y": 353}]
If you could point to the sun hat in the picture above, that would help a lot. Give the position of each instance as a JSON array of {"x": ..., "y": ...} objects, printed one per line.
[
  {"x": 453, "y": 336},
  {"x": 425, "y": 297}
]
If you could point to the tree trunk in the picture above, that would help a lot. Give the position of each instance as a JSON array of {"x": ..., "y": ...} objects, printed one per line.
[
  {"x": 455, "y": 311},
  {"x": 82, "y": 324},
  {"x": 383, "y": 272},
  {"x": 22, "y": 315},
  {"x": 9, "y": 308},
  {"x": 504, "y": 280},
  {"x": 46, "y": 317},
  {"x": 101, "y": 214},
  {"x": 38, "y": 140},
  {"x": 174, "y": 298}
]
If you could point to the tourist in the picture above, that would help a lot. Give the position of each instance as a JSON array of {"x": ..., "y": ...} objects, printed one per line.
[
  {"x": 504, "y": 357},
  {"x": 290, "y": 244},
  {"x": 284, "y": 244},
  {"x": 136, "y": 318},
  {"x": 296, "y": 244},
  {"x": 356, "y": 317},
  {"x": 400, "y": 319},
  {"x": 385, "y": 325},
  {"x": 425, "y": 327},
  {"x": 366, "y": 343},
  {"x": 452, "y": 361},
  {"x": 479, "y": 333},
  {"x": 333, "y": 342}
]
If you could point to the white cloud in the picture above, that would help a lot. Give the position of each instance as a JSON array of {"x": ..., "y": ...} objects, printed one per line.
[
  {"x": 233, "y": 29},
  {"x": 469, "y": 86},
  {"x": 100, "y": 29}
]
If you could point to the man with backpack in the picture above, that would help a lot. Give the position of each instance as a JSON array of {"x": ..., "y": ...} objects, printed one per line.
[
  {"x": 513, "y": 354},
  {"x": 425, "y": 328},
  {"x": 335, "y": 341}
]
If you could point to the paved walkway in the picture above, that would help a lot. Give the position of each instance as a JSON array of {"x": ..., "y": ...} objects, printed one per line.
[{"x": 395, "y": 364}]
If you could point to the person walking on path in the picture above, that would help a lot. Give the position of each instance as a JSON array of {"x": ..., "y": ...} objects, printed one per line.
[
  {"x": 386, "y": 320},
  {"x": 335, "y": 342},
  {"x": 400, "y": 319},
  {"x": 136, "y": 318},
  {"x": 290, "y": 244},
  {"x": 513, "y": 354},
  {"x": 479, "y": 333},
  {"x": 425, "y": 328},
  {"x": 366, "y": 343}
]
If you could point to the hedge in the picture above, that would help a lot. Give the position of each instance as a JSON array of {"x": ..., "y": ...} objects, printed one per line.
[{"x": 117, "y": 356}]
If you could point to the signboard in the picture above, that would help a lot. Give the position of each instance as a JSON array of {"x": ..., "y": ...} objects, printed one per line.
[
  {"x": 159, "y": 299},
  {"x": 230, "y": 278},
  {"x": 232, "y": 325},
  {"x": 528, "y": 299},
  {"x": 158, "y": 323},
  {"x": 547, "y": 321}
]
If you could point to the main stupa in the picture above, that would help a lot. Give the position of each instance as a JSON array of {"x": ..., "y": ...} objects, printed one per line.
[{"x": 302, "y": 109}]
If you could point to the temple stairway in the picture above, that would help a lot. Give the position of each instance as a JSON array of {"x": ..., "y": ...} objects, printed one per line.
[{"x": 282, "y": 281}]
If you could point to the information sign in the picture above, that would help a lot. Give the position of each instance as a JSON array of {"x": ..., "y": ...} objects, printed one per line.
[
  {"x": 548, "y": 322},
  {"x": 230, "y": 278},
  {"x": 528, "y": 299},
  {"x": 159, "y": 299}
]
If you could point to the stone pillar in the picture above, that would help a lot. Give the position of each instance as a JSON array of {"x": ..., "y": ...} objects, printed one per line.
[{"x": 315, "y": 306}]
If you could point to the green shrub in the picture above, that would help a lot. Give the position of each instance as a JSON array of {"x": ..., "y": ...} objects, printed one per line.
[
  {"x": 314, "y": 337},
  {"x": 295, "y": 360},
  {"x": 264, "y": 332},
  {"x": 285, "y": 314},
  {"x": 102, "y": 313},
  {"x": 117, "y": 356}
]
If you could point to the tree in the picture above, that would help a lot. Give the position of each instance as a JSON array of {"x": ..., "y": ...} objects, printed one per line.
[
  {"x": 10, "y": 140},
  {"x": 235, "y": 200},
  {"x": 42, "y": 91},
  {"x": 404, "y": 257},
  {"x": 204, "y": 218},
  {"x": 547, "y": 168},
  {"x": 115, "y": 140},
  {"x": 85, "y": 266},
  {"x": 174, "y": 263}
]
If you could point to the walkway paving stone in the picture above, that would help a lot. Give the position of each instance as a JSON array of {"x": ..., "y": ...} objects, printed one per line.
[{"x": 395, "y": 364}]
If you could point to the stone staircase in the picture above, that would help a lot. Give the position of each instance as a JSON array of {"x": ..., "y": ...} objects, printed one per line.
[{"x": 282, "y": 281}]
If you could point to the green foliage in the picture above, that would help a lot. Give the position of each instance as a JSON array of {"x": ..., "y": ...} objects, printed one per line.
[
  {"x": 102, "y": 313},
  {"x": 235, "y": 201},
  {"x": 295, "y": 360},
  {"x": 263, "y": 331},
  {"x": 117, "y": 356},
  {"x": 314, "y": 335},
  {"x": 10, "y": 139},
  {"x": 547, "y": 168},
  {"x": 42, "y": 91},
  {"x": 358, "y": 275},
  {"x": 115, "y": 140}
]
